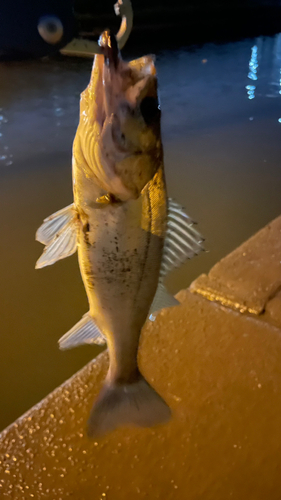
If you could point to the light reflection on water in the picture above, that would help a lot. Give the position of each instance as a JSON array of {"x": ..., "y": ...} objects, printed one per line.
[
  {"x": 265, "y": 68},
  {"x": 222, "y": 156}
]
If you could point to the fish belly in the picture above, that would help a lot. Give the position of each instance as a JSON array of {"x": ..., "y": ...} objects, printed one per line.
[{"x": 120, "y": 249}]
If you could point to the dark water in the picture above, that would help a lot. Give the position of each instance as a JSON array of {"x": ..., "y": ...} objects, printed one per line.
[{"x": 221, "y": 133}]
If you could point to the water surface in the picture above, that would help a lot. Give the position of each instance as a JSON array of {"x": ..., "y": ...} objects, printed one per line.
[{"x": 221, "y": 132}]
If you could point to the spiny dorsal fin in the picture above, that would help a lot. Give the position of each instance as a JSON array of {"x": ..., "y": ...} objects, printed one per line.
[
  {"x": 84, "y": 332},
  {"x": 58, "y": 233},
  {"x": 182, "y": 241}
]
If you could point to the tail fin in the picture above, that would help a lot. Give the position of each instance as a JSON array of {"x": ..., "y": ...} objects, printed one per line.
[{"x": 127, "y": 404}]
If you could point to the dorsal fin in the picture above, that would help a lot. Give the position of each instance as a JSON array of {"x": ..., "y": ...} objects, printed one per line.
[
  {"x": 161, "y": 300},
  {"x": 182, "y": 240}
]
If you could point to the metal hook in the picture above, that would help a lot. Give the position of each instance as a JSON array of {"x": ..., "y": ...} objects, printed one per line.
[
  {"x": 87, "y": 48},
  {"x": 124, "y": 9}
]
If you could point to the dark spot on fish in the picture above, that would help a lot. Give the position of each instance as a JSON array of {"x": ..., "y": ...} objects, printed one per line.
[
  {"x": 86, "y": 230},
  {"x": 117, "y": 249}
]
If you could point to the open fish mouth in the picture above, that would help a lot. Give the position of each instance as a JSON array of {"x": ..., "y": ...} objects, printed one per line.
[{"x": 110, "y": 49}]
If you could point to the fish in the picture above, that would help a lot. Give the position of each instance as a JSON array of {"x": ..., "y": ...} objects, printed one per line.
[{"x": 126, "y": 230}]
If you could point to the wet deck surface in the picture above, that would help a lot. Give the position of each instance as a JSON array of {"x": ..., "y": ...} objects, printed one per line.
[
  {"x": 218, "y": 369},
  {"x": 222, "y": 154}
]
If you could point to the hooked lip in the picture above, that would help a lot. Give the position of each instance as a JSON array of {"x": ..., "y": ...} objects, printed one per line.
[
  {"x": 110, "y": 49},
  {"x": 110, "y": 79}
]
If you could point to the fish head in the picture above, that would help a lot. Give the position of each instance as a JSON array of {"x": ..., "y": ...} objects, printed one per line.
[{"x": 119, "y": 130}]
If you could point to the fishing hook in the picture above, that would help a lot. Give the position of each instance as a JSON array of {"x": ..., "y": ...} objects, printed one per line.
[{"x": 87, "y": 48}]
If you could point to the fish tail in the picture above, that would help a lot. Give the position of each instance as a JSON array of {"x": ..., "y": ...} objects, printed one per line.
[{"x": 136, "y": 404}]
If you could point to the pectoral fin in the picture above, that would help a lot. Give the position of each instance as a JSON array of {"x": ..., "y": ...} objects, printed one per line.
[
  {"x": 53, "y": 224},
  {"x": 59, "y": 233},
  {"x": 84, "y": 332}
]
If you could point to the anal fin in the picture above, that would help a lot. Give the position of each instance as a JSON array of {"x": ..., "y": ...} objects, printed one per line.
[{"x": 84, "y": 332}]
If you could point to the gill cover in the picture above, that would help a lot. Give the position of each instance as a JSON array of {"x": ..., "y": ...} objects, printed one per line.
[{"x": 119, "y": 134}]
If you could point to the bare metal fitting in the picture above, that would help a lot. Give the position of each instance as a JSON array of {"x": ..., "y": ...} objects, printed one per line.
[{"x": 86, "y": 48}]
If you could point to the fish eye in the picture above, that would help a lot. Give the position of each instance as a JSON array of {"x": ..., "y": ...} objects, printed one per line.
[
  {"x": 149, "y": 109},
  {"x": 51, "y": 29}
]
